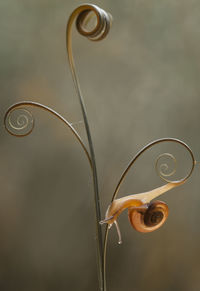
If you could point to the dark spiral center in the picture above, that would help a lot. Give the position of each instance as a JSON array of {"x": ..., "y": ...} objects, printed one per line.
[
  {"x": 156, "y": 217},
  {"x": 153, "y": 218}
]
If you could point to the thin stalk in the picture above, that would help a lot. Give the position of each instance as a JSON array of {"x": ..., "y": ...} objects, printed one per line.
[{"x": 92, "y": 155}]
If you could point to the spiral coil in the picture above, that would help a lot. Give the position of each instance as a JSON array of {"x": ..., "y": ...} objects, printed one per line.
[
  {"x": 163, "y": 169},
  {"x": 19, "y": 122},
  {"x": 84, "y": 14}
]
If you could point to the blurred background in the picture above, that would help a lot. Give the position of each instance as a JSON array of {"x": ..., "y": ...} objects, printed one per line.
[{"x": 140, "y": 83}]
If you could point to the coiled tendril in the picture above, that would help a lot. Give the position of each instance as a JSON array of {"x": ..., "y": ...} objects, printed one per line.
[
  {"x": 163, "y": 169},
  {"x": 84, "y": 14},
  {"x": 22, "y": 125},
  {"x": 19, "y": 122}
]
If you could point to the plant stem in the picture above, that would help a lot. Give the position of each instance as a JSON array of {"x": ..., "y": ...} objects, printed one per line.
[{"x": 92, "y": 154}]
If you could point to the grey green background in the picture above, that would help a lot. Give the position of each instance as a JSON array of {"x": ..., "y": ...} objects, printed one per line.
[{"x": 141, "y": 83}]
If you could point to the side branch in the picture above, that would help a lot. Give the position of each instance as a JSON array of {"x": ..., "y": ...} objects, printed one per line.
[
  {"x": 148, "y": 146},
  {"x": 22, "y": 122}
]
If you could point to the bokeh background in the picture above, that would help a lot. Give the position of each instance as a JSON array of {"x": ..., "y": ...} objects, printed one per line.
[{"x": 141, "y": 83}]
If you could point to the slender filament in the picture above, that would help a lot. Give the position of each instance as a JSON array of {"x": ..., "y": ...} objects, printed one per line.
[{"x": 97, "y": 33}]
